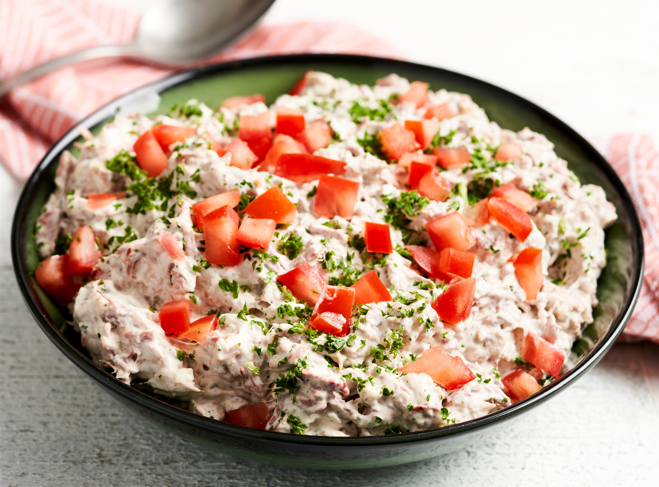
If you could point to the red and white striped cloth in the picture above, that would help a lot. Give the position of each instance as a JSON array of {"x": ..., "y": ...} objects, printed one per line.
[{"x": 36, "y": 114}]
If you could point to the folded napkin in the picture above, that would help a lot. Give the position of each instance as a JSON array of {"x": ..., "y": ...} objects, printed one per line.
[{"x": 36, "y": 114}]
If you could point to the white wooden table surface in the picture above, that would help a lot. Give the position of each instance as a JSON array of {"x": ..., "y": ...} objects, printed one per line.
[{"x": 593, "y": 64}]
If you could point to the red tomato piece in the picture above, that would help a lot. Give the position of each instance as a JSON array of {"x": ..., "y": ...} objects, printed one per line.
[
  {"x": 99, "y": 200},
  {"x": 427, "y": 260},
  {"x": 417, "y": 94},
  {"x": 454, "y": 304},
  {"x": 290, "y": 121},
  {"x": 335, "y": 197},
  {"x": 528, "y": 269},
  {"x": 407, "y": 158},
  {"x": 170, "y": 244},
  {"x": 448, "y": 158},
  {"x": 256, "y": 233},
  {"x": 149, "y": 154},
  {"x": 255, "y": 126},
  {"x": 283, "y": 144},
  {"x": 449, "y": 372},
  {"x": 520, "y": 385},
  {"x": 336, "y": 299},
  {"x": 508, "y": 151},
  {"x": 300, "y": 85},
  {"x": 241, "y": 155},
  {"x": 378, "y": 238},
  {"x": 424, "y": 131},
  {"x": 543, "y": 354},
  {"x": 305, "y": 282},
  {"x": 450, "y": 231},
  {"x": 370, "y": 289},
  {"x": 273, "y": 205},
  {"x": 220, "y": 229},
  {"x": 169, "y": 134},
  {"x": 396, "y": 141},
  {"x": 175, "y": 316},
  {"x": 53, "y": 277},
  {"x": 417, "y": 171},
  {"x": 316, "y": 136},
  {"x": 510, "y": 217},
  {"x": 259, "y": 147},
  {"x": 204, "y": 207},
  {"x": 83, "y": 253},
  {"x": 455, "y": 263},
  {"x": 434, "y": 186},
  {"x": 520, "y": 199},
  {"x": 303, "y": 168},
  {"x": 331, "y": 323},
  {"x": 200, "y": 329},
  {"x": 477, "y": 215},
  {"x": 440, "y": 112},
  {"x": 215, "y": 146},
  {"x": 254, "y": 416},
  {"x": 238, "y": 101}
]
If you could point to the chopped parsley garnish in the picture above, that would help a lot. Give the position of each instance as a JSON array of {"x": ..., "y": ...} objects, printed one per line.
[
  {"x": 539, "y": 191},
  {"x": 439, "y": 140},
  {"x": 371, "y": 144},
  {"x": 297, "y": 427},
  {"x": 288, "y": 381},
  {"x": 583, "y": 234},
  {"x": 480, "y": 188},
  {"x": 359, "y": 112},
  {"x": 126, "y": 165},
  {"x": 562, "y": 224},
  {"x": 401, "y": 209},
  {"x": 180, "y": 354},
  {"x": 347, "y": 273},
  {"x": 312, "y": 193},
  {"x": 357, "y": 242},
  {"x": 245, "y": 200},
  {"x": 230, "y": 287},
  {"x": 290, "y": 246}
]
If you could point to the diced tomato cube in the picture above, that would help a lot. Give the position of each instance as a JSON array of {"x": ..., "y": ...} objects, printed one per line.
[
  {"x": 450, "y": 231},
  {"x": 255, "y": 126},
  {"x": 99, "y": 200},
  {"x": 200, "y": 329},
  {"x": 456, "y": 263},
  {"x": 290, "y": 121},
  {"x": 254, "y": 416},
  {"x": 220, "y": 229},
  {"x": 543, "y": 354},
  {"x": 454, "y": 304},
  {"x": 273, "y": 205},
  {"x": 508, "y": 151},
  {"x": 449, "y": 372},
  {"x": 204, "y": 207},
  {"x": 83, "y": 253},
  {"x": 396, "y": 141},
  {"x": 316, "y": 136},
  {"x": 336, "y": 299},
  {"x": 149, "y": 154},
  {"x": 520, "y": 199},
  {"x": 528, "y": 269},
  {"x": 407, "y": 158},
  {"x": 169, "y": 134},
  {"x": 434, "y": 186},
  {"x": 477, "y": 215},
  {"x": 238, "y": 101},
  {"x": 299, "y": 86},
  {"x": 416, "y": 171},
  {"x": 259, "y": 147},
  {"x": 241, "y": 155},
  {"x": 283, "y": 144},
  {"x": 256, "y": 233},
  {"x": 510, "y": 217},
  {"x": 417, "y": 94},
  {"x": 427, "y": 260},
  {"x": 171, "y": 246},
  {"x": 520, "y": 385},
  {"x": 305, "y": 282},
  {"x": 53, "y": 277},
  {"x": 215, "y": 146},
  {"x": 370, "y": 289},
  {"x": 331, "y": 323},
  {"x": 175, "y": 316},
  {"x": 378, "y": 238},
  {"x": 448, "y": 158},
  {"x": 424, "y": 131},
  {"x": 440, "y": 112},
  {"x": 303, "y": 168},
  {"x": 335, "y": 197}
]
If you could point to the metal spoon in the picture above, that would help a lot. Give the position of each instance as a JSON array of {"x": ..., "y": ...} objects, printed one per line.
[{"x": 172, "y": 33}]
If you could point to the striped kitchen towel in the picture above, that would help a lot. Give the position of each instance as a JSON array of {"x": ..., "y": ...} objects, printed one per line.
[{"x": 36, "y": 114}]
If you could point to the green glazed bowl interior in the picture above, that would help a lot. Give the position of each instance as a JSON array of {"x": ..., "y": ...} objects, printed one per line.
[{"x": 617, "y": 292}]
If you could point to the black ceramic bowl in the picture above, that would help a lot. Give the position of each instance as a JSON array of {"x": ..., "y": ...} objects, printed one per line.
[{"x": 618, "y": 289}]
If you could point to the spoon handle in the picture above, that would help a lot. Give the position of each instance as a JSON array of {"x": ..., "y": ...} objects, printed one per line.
[{"x": 75, "y": 57}]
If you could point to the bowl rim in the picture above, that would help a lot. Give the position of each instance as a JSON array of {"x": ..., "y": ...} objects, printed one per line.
[{"x": 226, "y": 429}]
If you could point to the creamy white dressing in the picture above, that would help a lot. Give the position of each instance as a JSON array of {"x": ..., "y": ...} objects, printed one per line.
[{"x": 329, "y": 387}]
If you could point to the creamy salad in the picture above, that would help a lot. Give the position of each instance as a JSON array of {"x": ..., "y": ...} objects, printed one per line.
[{"x": 265, "y": 358}]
